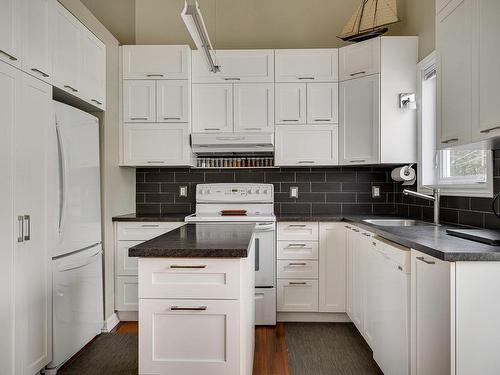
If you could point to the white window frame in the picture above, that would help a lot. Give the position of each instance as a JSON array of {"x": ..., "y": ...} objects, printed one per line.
[{"x": 473, "y": 189}]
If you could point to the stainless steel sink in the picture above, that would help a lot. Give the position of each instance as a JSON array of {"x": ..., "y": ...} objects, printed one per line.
[{"x": 396, "y": 222}]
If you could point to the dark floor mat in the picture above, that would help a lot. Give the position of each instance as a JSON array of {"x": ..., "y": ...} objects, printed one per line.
[
  {"x": 328, "y": 349},
  {"x": 109, "y": 354}
]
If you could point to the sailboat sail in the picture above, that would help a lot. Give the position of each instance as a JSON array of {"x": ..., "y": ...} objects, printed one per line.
[{"x": 370, "y": 18}]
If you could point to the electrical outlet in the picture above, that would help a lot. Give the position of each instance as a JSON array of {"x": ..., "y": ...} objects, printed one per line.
[
  {"x": 183, "y": 191},
  {"x": 294, "y": 191},
  {"x": 375, "y": 191}
]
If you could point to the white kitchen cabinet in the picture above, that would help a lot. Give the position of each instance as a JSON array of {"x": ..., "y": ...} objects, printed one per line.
[
  {"x": 360, "y": 121},
  {"x": 298, "y": 249},
  {"x": 430, "y": 315},
  {"x": 297, "y": 269},
  {"x": 146, "y": 144},
  {"x": 301, "y": 231},
  {"x": 297, "y": 295},
  {"x": 235, "y": 66},
  {"x": 332, "y": 267},
  {"x": 125, "y": 265},
  {"x": 37, "y": 41},
  {"x": 139, "y": 101},
  {"x": 172, "y": 101},
  {"x": 300, "y": 65},
  {"x": 93, "y": 69},
  {"x": 359, "y": 59},
  {"x": 322, "y": 103},
  {"x": 156, "y": 61},
  {"x": 11, "y": 31},
  {"x": 126, "y": 293},
  {"x": 290, "y": 101},
  {"x": 212, "y": 108},
  {"x": 306, "y": 145},
  {"x": 253, "y": 107}
]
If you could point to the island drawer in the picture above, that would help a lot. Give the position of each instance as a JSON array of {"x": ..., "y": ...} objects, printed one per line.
[
  {"x": 297, "y": 269},
  {"x": 304, "y": 231},
  {"x": 140, "y": 231},
  {"x": 199, "y": 278},
  {"x": 297, "y": 250}
]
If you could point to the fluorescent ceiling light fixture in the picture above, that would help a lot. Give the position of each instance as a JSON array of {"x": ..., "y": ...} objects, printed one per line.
[{"x": 191, "y": 14}]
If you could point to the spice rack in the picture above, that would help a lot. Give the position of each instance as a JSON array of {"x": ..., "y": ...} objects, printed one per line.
[{"x": 235, "y": 162}]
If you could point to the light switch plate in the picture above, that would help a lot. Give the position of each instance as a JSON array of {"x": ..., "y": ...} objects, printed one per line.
[
  {"x": 294, "y": 191},
  {"x": 183, "y": 191},
  {"x": 375, "y": 191}
]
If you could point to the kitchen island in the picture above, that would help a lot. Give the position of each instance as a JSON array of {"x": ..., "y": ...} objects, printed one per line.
[{"x": 196, "y": 300}]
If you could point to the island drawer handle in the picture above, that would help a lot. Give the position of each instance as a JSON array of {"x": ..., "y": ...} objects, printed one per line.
[
  {"x": 305, "y": 78},
  {"x": 150, "y": 225},
  {"x": 297, "y": 264},
  {"x": 154, "y": 75},
  {"x": 193, "y": 267},
  {"x": 194, "y": 308},
  {"x": 425, "y": 260},
  {"x": 297, "y": 283},
  {"x": 366, "y": 234},
  {"x": 357, "y": 73},
  {"x": 297, "y": 226},
  {"x": 297, "y": 245}
]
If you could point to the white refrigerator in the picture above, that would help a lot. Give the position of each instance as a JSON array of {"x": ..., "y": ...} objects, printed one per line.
[{"x": 74, "y": 222}]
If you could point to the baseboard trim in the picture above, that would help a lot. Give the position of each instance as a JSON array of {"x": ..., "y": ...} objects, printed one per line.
[
  {"x": 128, "y": 316},
  {"x": 110, "y": 323},
  {"x": 313, "y": 317}
]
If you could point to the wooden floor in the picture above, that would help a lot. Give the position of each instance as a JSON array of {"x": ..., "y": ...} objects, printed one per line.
[{"x": 270, "y": 357}]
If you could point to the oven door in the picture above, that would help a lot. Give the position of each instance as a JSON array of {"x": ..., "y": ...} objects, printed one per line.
[{"x": 264, "y": 255}]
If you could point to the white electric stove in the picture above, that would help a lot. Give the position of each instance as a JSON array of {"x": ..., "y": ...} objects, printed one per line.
[{"x": 257, "y": 201}]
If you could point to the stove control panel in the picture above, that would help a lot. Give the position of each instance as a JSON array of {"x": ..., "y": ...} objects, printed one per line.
[{"x": 235, "y": 192}]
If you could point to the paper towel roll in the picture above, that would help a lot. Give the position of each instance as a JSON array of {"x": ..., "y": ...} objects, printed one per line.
[{"x": 405, "y": 174}]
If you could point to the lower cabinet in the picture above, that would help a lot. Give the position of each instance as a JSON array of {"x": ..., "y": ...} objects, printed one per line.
[
  {"x": 298, "y": 295},
  {"x": 306, "y": 145},
  {"x": 126, "y": 293},
  {"x": 149, "y": 144}
]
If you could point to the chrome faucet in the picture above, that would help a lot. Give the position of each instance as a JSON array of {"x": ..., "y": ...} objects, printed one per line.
[{"x": 435, "y": 197}]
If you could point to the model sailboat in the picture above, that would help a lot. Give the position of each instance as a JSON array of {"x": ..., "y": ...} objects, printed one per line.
[{"x": 370, "y": 20}]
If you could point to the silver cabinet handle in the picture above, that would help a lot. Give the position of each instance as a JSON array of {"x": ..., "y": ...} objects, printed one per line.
[
  {"x": 139, "y": 118},
  {"x": 357, "y": 73},
  {"x": 150, "y": 225},
  {"x": 451, "y": 140},
  {"x": 290, "y": 120},
  {"x": 212, "y": 129},
  {"x": 190, "y": 308},
  {"x": 355, "y": 230},
  {"x": 297, "y": 283},
  {"x": 155, "y": 162},
  {"x": 188, "y": 267},
  {"x": 366, "y": 234},
  {"x": 257, "y": 254},
  {"x": 322, "y": 119},
  {"x": 297, "y": 225},
  {"x": 347, "y": 226},
  {"x": 39, "y": 72},
  {"x": 171, "y": 118},
  {"x": 357, "y": 161},
  {"x": 297, "y": 264},
  {"x": 96, "y": 101},
  {"x": 302, "y": 78},
  {"x": 20, "y": 223},
  {"x": 490, "y": 129},
  {"x": 252, "y": 129},
  {"x": 425, "y": 260},
  {"x": 296, "y": 245},
  {"x": 374, "y": 243},
  {"x": 154, "y": 75},
  {"x": 11, "y": 58},
  {"x": 71, "y": 88},
  {"x": 306, "y": 162},
  {"x": 232, "y": 79},
  {"x": 27, "y": 220}
]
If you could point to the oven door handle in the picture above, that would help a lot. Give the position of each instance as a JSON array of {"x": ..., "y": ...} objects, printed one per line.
[
  {"x": 257, "y": 254},
  {"x": 264, "y": 227}
]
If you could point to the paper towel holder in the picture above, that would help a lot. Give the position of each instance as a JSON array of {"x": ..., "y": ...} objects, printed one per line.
[{"x": 407, "y": 100}]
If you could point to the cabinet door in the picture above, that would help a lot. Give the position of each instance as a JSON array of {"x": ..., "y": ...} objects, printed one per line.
[
  {"x": 139, "y": 101},
  {"x": 66, "y": 54},
  {"x": 355, "y": 279},
  {"x": 172, "y": 101},
  {"x": 297, "y": 295},
  {"x": 254, "y": 107},
  {"x": 156, "y": 144},
  {"x": 332, "y": 267},
  {"x": 37, "y": 46},
  {"x": 33, "y": 263},
  {"x": 322, "y": 103},
  {"x": 93, "y": 69},
  {"x": 127, "y": 293},
  {"x": 212, "y": 108},
  {"x": 351, "y": 243},
  {"x": 454, "y": 49},
  {"x": 235, "y": 66},
  {"x": 189, "y": 337},
  {"x": 290, "y": 102},
  {"x": 430, "y": 315},
  {"x": 360, "y": 121},
  {"x": 359, "y": 59},
  {"x": 306, "y": 145},
  {"x": 156, "y": 62},
  {"x": 125, "y": 265},
  {"x": 10, "y": 31},
  {"x": 299, "y": 65}
]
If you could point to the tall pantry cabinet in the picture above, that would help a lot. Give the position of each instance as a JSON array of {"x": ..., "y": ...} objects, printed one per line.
[{"x": 25, "y": 273}]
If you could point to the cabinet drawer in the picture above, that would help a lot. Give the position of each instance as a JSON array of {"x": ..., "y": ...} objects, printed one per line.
[
  {"x": 297, "y": 269},
  {"x": 189, "y": 337},
  {"x": 189, "y": 278},
  {"x": 306, "y": 65},
  {"x": 135, "y": 231},
  {"x": 297, "y": 295},
  {"x": 298, "y": 231},
  {"x": 125, "y": 265},
  {"x": 360, "y": 59},
  {"x": 126, "y": 293},
  {"x": 297, "y": 250}
]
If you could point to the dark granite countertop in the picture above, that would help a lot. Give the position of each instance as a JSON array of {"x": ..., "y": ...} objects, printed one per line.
[
  {"x": 146, "y": 218},
  {"x": 429, "y": 239},
  {"x": 199, "y": 240}
]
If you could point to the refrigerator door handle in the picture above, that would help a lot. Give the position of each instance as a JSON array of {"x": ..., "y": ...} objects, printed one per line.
[
  {"x": 62, "y": 180},
  {"x": 73, "y": 266}
]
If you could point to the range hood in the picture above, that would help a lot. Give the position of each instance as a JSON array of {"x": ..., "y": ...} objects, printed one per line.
[{"x": 241, "y": 143}]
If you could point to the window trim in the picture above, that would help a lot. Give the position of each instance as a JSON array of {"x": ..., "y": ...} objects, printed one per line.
[{"x": 481, "y": 189}]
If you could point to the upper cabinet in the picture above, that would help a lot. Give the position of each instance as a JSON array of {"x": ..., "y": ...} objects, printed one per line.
[
  {"x": 156, "y": 62},
  {"x": 11, "y": 31},
  {"x": 213, "y": 108},
  {"x": 172, "y": 101},
  {"x": 306, "y": 65},
  {"x": 235, "y": 66},
  {"x": 290, "y": 103},
  {"x": 253, "y": 107},
  {"x": 139, "y": 103},
  {"x": 360, "y": 59},
  {"x": 93, "y": 69},
  {"x": 322, "y": 103}
]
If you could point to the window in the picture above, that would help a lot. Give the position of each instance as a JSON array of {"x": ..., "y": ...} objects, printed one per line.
[{"x": 465, "y": 172}]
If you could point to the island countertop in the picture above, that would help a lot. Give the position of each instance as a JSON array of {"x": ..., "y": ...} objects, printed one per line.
[{"x": 199, "y": 240}]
